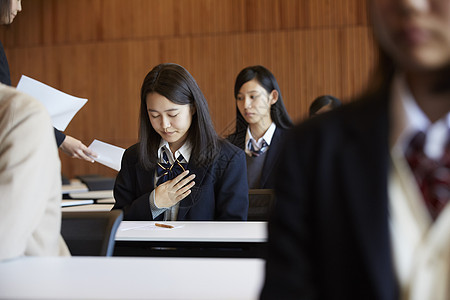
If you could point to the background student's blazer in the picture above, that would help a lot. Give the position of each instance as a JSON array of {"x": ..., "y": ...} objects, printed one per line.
[{"x": 267, "y": 180}]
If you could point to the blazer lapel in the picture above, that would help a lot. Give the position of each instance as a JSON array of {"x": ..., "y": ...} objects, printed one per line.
[
  {"x": 271, "y": 158},
  {"x": 189, "y": 201}
]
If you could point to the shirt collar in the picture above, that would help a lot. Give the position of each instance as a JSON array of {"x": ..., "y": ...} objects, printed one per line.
[
  {"x": 407, "y": 119},
  {"x": 267, "y": 137},
  {"x": 185, "y": 150}
]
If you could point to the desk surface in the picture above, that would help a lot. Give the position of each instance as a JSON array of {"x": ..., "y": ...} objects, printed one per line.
[
  {"x": 75, "y": 186},
  {"x": 252, "y": 232},
  {"x": 130, "y": 278},
  {"x": 89, "y": 207},
  {"x": 104, "y": 194}
]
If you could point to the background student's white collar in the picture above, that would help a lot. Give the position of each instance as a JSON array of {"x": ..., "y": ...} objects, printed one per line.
[{"x": 267, "y": 137}]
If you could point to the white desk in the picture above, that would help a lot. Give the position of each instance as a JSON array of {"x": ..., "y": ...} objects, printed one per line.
[
  {"x": 104, "y": 194},
  {"x": 130, "y": 278},
  {"x": 194, "y": 231},
  {"x": 214, "y": 239}
]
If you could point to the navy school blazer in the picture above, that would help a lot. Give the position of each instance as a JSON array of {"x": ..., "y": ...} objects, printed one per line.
[
  {"x": 329, "y": 235},
  {"x": 267, "y": 180},
  {"x": 220, "y": 191}
]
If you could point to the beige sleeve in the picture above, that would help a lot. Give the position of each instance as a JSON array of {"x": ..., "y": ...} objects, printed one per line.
[{"x": 30, "y": 179}]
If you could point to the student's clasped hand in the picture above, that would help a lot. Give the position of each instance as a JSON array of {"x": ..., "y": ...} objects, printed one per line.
[{"x": 173, "y": 191}]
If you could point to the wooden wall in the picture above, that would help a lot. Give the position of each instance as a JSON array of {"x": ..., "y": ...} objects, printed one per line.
[{"x": 102, "y": 50}]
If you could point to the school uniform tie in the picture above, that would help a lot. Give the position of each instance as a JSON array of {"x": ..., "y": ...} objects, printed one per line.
[
  {"x": 166, "y": 171},
  {"x": 254, "y": 152},
  {"x": 433, "y": 176}
]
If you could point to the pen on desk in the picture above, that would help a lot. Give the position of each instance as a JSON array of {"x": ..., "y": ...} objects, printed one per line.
[{"x": 163, "y": 225}]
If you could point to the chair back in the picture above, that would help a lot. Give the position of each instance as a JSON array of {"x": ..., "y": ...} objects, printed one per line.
[
  {"x": 91, "y": 233},
  {"x": 260, "y": 204}
]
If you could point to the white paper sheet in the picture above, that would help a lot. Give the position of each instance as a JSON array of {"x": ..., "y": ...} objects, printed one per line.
[
  {"x": 61, "y": 107},
  {"x": 107, "y": 154}
]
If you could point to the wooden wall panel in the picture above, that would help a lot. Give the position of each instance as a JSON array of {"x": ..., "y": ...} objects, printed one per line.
[
  {"x": 102, "y": 50},
  {"x": 359, "y": 57},
  {"x": 338, "y": 13},
  {"x": 209, "y": 16},
  {"x": 213, "y": 66},
  {"x": 295, "y": 14},
  {"x": 137, "y": 18}
]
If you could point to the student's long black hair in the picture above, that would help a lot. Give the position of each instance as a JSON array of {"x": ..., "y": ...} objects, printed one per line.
[
  {"x": 177, "y": 84},
  {"x": 322, "y": 101},
  {"x": 266, "y": 79},
  {"x": 5, "y": 9}
]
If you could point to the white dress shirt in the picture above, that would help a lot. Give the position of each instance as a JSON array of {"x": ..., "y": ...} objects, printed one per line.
[
  {"x": 170, "y": 213},
  {"x": 257, "y": 144},
  {"x": 421, "y": 247}
]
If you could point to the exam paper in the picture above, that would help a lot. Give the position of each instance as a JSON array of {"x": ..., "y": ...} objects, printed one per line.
[
  {"x": 61, "y": 107},
  {"x": 107, "y": 154}
]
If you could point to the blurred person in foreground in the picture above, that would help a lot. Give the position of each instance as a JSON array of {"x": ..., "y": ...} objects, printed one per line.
[
  {"x": 30, "y": 180},
  {"x": 362, "y": 198}
]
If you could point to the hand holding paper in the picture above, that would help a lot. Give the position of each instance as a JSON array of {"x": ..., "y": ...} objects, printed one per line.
[{"x": 76, "y": 149}]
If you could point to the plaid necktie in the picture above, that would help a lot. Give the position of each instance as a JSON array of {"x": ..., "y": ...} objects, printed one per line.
[
  {"x": 433, "y": 176},
  {"x": 256, "y": 153},
  {"x": 166, "y": 171}
]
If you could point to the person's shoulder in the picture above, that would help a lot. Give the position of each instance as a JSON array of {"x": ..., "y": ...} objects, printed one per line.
[
  {"x": 228, "y": 153},
  {"x": 20, "y": 104},
  {"x": 237, "y": 138},
  {"x": 133, "y": 149},
  {"x": 228, "y": 149},
  {"x": 280, "y": 131},
  {"x": 131, "y": 153}
]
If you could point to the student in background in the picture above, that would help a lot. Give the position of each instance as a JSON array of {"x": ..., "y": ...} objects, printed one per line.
[
  {"x": 362, "y": 207},
  {"x": 261, "y": 120},
  {"x": 323, "y": 104},
  {"x": 180, "y": 169},
  {"x": 30, "y": 180},
  {"x": 69, "y": 145}
]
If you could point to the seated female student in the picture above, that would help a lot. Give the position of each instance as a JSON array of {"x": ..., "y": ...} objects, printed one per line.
[
  {"x": 261, "y": 121},
  {"x": 180, "y": 169}
]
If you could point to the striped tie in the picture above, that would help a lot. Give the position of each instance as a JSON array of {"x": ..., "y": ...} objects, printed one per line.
[
  {"x": 256, "y": 153},
  {"x": 433, "y": 176},
  {"x": 166, "y": 171}
]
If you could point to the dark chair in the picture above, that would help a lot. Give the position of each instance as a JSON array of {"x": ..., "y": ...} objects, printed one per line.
[
  {"x": 96, "y": 182},
  {"x": 260, "y": 204},
  {"x": 91, "y": 233}
]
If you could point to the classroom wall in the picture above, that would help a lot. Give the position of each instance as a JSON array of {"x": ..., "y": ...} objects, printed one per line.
[{"x": 102, "y": 50}]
